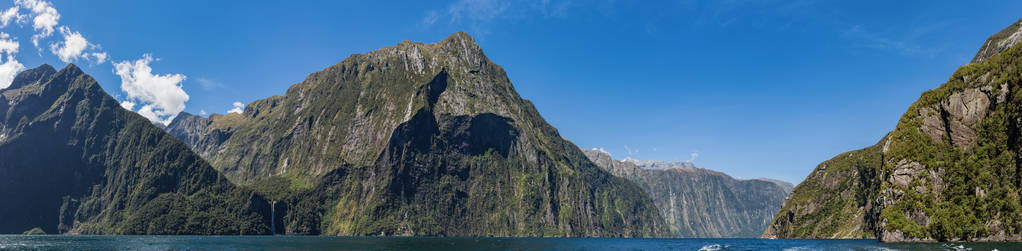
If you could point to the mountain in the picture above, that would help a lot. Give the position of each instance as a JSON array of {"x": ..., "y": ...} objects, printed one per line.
[
  {"x": 951, "y": 170},
  {"x": 657, "y": 164},
  {"x": 73, "y": 161},
  {"x": 700, "y": 203},
  {"x": 417, "y": 139}
]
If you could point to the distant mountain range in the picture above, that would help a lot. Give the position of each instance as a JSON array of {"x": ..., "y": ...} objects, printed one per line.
[
  {"x": 701, "y": 203},
  {"x": 950, "y": 171},
  {"x": 656, "y": 164}
]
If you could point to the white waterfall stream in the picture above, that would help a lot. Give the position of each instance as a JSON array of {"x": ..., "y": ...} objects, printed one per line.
[{"x": 273, "y": 217}]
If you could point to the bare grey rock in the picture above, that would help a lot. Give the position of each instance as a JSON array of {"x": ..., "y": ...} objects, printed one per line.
[
  {"x": 1000, "y": 41},
  {"x": 905, "y": 172}
]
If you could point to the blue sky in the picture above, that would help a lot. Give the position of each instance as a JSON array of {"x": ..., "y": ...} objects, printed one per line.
[{"x": 751, "y": 88}]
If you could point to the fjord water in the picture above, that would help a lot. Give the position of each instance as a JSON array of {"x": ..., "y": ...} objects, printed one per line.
[{"x": 139, "y": 242}]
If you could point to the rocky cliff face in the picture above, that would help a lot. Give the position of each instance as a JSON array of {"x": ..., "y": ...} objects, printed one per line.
[
  {"x": 700, "y": 203},
  {"x": 73, "y": 161},
  {"x": 656, "y": 164},
  {"x": 418, "y": 139},
  {"x": 949, "y": 171},
  {"x": 999, "y": 42},
  {"x": 835, "y": 201}
]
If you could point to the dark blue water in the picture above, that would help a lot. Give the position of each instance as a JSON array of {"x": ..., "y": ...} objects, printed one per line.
[{"x": 107, "y": 242}]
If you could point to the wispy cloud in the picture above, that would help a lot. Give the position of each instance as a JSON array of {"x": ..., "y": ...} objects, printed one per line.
[
  {"x": 477, "y": 10},
  {"x": 631, "y": 151},
  {"x": 906, "y": 43},
  {"x": 480, "y": 15},
  {"x": 430, "y": 18},
  {"x": 692, "y": 157},
  {"x": 208, "y": 84}
]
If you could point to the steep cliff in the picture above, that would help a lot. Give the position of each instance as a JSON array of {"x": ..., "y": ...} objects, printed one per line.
[
  {"x": 700, "y": 203},
  {"x": 951, "y": 170}
]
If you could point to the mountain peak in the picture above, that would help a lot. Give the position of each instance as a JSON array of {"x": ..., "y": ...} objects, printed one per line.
[
  {"x": 459, "y": 37},
  {"x": 92, "y": 149},
  {"x": 1000, "y": 41},
  {"x": 32, "y": 75},
  {"x": 72, "y": 69},
  {"x": 464, "y": 45}
]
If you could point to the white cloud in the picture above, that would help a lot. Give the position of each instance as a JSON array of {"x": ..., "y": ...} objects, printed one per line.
[
  {"x": 7, "y": 44},
  {"x": 45, "y": 20},
  {"x": 693, "y": 157},
  {"x": 161, "y": 95},
  {"x": 99, "y": 57},
  {"x": 11, "y": 14},
  {"x": 73, "y": 46},
  {"x": 9, "y": 66},
  {"x": 128, "y": 105},
  {"x": 238, "y": 108},
  {"x": 202, "y": 112}
]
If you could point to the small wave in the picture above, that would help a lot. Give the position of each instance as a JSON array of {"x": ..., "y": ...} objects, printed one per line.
[
  {"x": 957, "y": 248},
  {"x": 711, "y": 247}
]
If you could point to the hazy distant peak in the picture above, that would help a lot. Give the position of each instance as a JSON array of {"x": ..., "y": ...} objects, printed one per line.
[
  {"x": 657, "y": 164},
  {"x": 784, "y": 184}
]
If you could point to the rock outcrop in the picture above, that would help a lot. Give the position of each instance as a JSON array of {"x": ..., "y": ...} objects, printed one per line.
[{"x": 999, "y": 42}]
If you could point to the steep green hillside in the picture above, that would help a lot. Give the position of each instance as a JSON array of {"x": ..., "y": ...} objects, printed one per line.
[
  {"x": 73, "y": 161},
  {"x": 951, "y": 170},
  {"x": 834, "y": 201},
  {"x": 700, "y": 203},
  {"x": 418, "y": 139}
]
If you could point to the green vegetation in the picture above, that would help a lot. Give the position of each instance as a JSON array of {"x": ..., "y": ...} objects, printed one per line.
[
  {"x": 34, "y": 231},
  {"x": 980, "y": 185},
  {"x": 106, "y": 170},
  {"x": 699, "y": 203},
  {"x": 417, "y": 139},
  {"x": 833, "y": 199},
  {"x": 950, "y": 171}
]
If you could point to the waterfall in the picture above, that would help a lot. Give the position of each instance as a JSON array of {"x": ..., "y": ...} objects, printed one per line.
[{"x": 273, "y": 217}]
